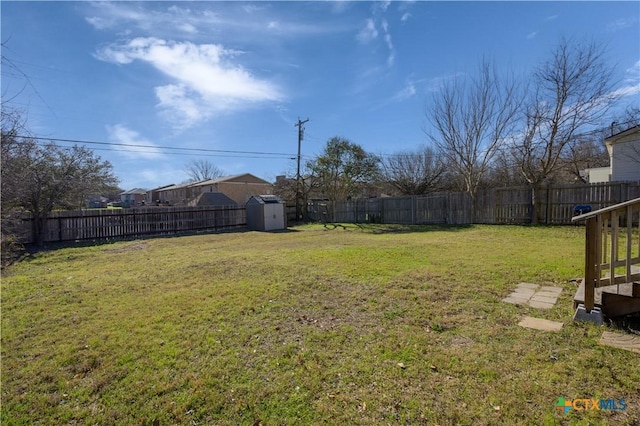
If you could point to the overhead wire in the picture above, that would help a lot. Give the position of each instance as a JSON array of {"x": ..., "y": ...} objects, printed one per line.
[{"x": 155, "y": 148}]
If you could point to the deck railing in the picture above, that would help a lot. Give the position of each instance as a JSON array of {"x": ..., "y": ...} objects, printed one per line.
[{"x": 612, "y": 250}]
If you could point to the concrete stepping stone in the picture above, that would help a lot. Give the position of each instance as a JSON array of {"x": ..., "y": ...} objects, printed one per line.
[
  {"x": 534, "y": 295},
  {"x": 540, "y": 324},
  {"x": 621, "y": 341}
]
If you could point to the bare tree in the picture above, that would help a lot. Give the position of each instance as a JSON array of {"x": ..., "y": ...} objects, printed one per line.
[
  {"x": 571, "y": 90},
  {"x": 199, "y": 170},
  {"x": 584, "y": 153},
  {"x": 415, "y": 172},
  {"x": 470, "y": 121},
  {"x": 287, "y": 187}
]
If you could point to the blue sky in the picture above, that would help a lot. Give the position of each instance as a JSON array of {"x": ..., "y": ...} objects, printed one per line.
[{"x": 235, "y": 76}]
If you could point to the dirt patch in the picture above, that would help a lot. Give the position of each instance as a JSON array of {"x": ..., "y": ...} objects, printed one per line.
[
  {"x": 461, "y": 342},
  {"x": 131, "y": 247}
]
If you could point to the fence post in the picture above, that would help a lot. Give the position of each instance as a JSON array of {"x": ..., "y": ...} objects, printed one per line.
[
  {"x": 549, "y": 209},
  {"x": 591, "y": 260},
  {"x": 413, "y": 209}
]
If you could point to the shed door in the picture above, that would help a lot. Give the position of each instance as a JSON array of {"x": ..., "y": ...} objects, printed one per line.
[{"x": 273, "y": 218}]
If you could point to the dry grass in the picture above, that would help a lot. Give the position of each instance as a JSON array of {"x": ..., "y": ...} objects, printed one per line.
[{"x": 363, "y": 325}]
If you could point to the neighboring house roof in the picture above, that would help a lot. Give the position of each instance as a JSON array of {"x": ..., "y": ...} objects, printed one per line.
[
  {"x": 213, "y": 199},
  {"x": 242, "y": 178},
  {"x": 134, "y": 191},
  {"x": 162, "y": 187},
  {"x": 174, "y": 186},
  {"x": 615, "y": 138}
]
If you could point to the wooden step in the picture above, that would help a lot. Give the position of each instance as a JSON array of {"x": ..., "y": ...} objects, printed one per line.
[{"x": 613, "y": 300}]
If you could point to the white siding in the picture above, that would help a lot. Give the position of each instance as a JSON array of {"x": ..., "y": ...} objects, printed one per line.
[
  {"x": 599, "y": 174},
  {"x": 625, "y": 160}
]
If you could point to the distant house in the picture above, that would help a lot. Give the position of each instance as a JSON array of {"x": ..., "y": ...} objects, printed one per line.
[
  {"x": 624, "y": 152},
  {"x": 133, "y": 197},
  {"x": 238, "y": 188},
  {"x": 624, "y": 158},
  {"x": 174, "y": 195},
  {"x": 598, "y": 174},
  {"x": 153, "y": 196},
  {"x": 97, "y": 201}
]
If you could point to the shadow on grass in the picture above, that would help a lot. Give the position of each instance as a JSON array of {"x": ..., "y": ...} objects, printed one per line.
[
  {"x": 375, "y": 228},
  {"x": 28, "y": 251}
]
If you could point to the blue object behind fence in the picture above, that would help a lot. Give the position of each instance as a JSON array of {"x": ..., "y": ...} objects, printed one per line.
[{"x": 578, "y": 210}]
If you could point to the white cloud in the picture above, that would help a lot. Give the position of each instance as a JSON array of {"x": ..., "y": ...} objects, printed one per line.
[
  {"x": 531, "y": 35},
  {"x": 389, "y": 43},
  {"x": 551, "y": 18},
  {"x": 631, "y": 82},
  {"x": 382, "y": 5},
  {"x": 621, "y": 23},
  {"x": 437, "y": 83},
  {"x": 368, "y": 33},
  {"x": 405, "y": 17},
  {"x": 407, "y": 92},
  {"x": 114, "y": 15},
  {"x": 151, "y": 18},
  {"x": 339, "y": 6},
  {"x": 629, "y": 90},
  {"x": 204, "y": 80},
  {"x": 121, "y": 134},
  {"x": 252, "y": 8},
  {"x": 188, "y": 28}
]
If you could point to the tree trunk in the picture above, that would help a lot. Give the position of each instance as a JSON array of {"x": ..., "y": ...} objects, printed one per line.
[
  {"x": 533, "y": 211},
  {"x": 39, "y": 231}
]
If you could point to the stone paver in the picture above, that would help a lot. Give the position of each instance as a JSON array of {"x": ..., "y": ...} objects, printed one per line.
[
  {"x": 540, "y": 324},
  {"x": 515, "y": 300},
  {"x": 528, "y": 285},
  {"x": 536, "y": 296},
  {"x": 621, "y": 341},
  {"x": 540, "y": 305},
  {"x": 543, "y": 299}
]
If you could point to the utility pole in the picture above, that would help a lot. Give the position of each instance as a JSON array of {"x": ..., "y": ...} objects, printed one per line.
[{"x": 300, "y": 137}]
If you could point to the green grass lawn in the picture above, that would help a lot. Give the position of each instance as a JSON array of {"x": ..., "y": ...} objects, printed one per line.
[{"x": 368, "y": 325}]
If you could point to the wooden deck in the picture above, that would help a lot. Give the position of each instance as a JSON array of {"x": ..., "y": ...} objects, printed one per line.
[
  {"x": 612, "y": 261},
  {"x": 613, "y": 300}
]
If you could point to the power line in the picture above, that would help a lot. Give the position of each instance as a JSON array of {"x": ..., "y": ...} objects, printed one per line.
[
  {"x": 184, "y": 153},
  {"x": 220, "y": 151}
]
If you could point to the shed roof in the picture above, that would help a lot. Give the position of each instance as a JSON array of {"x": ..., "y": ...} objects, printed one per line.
[
  {"x": 264, "y": 199},
  {"x": 214, "y": 199}
]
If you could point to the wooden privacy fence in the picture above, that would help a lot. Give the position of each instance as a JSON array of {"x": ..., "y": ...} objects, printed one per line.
[
  {"x": 442, "y": 208},
  {"x": 138, "y": 222},
  {"x": 555, "y": 205}
]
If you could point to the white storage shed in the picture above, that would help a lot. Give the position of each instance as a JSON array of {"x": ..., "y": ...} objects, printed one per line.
[{"x": 266, "y": 213}]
